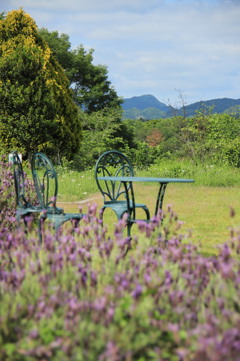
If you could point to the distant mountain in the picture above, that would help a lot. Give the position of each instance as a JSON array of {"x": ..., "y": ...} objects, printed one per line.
[
  {"x": 219, "y": 105},
  {"x": 143, "y": 102},
  {"x": 149, "y": 107}
]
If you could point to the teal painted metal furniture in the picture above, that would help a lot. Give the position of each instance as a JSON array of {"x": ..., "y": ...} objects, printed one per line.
[
  {"x": 128, "y": 181},
  {"x": 115, "y": 193},
  {"x": 46, "y": 186},
  {"x": 24, "y": 208}
]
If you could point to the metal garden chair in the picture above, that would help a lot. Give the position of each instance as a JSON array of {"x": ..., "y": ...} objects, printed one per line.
[
  {"x": 46, "y": 186},
  {"x": 115, "y": 194}
]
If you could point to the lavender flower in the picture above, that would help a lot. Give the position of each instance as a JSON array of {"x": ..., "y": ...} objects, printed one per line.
[{"x": 100, "y": 296}]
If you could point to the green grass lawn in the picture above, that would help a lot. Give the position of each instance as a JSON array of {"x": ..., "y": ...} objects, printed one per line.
[{"x": 204, "y": 211}]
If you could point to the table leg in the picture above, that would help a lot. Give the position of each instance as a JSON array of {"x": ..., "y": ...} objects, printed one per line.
[
  {"x": 160, "y": 197},
  {"x": 130, "y": 199}
]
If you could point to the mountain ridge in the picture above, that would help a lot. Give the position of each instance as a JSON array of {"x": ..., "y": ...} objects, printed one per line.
[
  {"x": 143, "y": 102},
  {"x": 149, "y": 107}
]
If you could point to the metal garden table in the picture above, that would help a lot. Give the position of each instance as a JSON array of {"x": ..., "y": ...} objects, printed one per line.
[{"x": 163, "y": 182}]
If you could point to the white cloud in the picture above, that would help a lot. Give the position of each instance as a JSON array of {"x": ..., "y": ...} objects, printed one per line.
[
  {"x": 155, "y": 46},
  {"x": 87, "y": 5}
]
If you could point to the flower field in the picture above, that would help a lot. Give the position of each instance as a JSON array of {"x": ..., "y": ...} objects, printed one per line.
[
  {"x": 88, "y": 297},
  {"x": 91, "y": 295}
]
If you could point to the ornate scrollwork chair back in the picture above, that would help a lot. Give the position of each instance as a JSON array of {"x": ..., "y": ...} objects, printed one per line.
[
  {"x": 46, "y": 182},
  {"x": 115, "y": 195},
  {"x": 24, "y": 208},
  {"x": 19, "y": 181},
  {"x": 46, "y": 185},
  {"x": 112, "y": 163}
]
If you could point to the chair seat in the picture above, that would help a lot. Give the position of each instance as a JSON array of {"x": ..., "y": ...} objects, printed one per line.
[
  {"x": 28, "y": 211},
  {"x": 122, "y": 204},
  {"x": 120, "y": 207},
  {"x": 54, "y": 210},
  {"x": 59, "y": 219}
]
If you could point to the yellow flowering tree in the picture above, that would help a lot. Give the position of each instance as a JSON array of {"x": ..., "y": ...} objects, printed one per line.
[{"x": 37, "y": 111}]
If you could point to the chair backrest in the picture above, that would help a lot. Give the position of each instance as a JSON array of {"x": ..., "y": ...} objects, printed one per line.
[
  {"x": 45, "y": 180},
  {"x": 112, "y": 163},
  {"x": 19, "y": 181}
]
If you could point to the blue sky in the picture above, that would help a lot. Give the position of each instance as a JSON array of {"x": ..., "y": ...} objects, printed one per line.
[{"x": 158, "y": 47}]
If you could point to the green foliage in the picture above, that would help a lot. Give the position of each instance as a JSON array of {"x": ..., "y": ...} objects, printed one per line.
[
  {"x": 234, "y": 110},
  {"x": 204, "y": 174},
  {"x": 102, "y": 130},
  {"x": 212, "y": 137},
  {"x": 37, "y": 110},
  {"x": 168, "y": 140},
  {"x": 92, "y": 89},
  {"x": 206, "y": 138},
  {"x": 60, "y": 47},
  {"x": 148, "y": 113},
  {"x": 142, "y": 157},
  {"x": 2, "y": 15}
]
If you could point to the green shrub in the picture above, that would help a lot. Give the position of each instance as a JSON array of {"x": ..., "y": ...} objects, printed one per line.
[{"x": 203, "y": 174}]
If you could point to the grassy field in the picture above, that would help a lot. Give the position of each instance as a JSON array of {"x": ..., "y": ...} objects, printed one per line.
[{"x": 204, "y": 210}]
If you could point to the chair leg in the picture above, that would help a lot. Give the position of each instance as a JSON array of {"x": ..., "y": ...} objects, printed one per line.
[
  {"x": 129, "y": 227},
  {"x": 23, "y": 217},
  {"x": 147, "y": 213},
  {"x": 75, "y": 223},
  {"x": 56, "y": 227},
  {"x": 40, "y": 228},
  {"x": 57, "y": 223},
  {"x": 101, "y": 212}
]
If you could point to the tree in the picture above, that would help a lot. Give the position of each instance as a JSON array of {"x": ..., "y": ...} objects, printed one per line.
[
  {"x": 37, "y": 109},
  {"x": 154, "y": 138},
  {"x": 92, "y": 89},
  {"x": 182, "y": 99},
  {"x": 60, "y": 47},
  {"x": 102, "y": 130},
  {"x": 214, "y": 137}
]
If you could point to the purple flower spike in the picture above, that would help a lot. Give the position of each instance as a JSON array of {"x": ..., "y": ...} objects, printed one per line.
[{"x": 137, "y": 292}]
